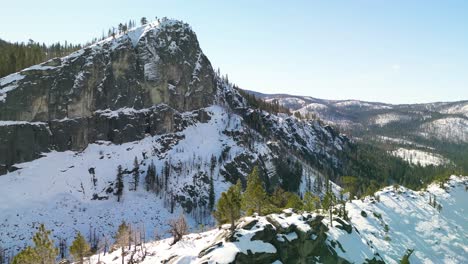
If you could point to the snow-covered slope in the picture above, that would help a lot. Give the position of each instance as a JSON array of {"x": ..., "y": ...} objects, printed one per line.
[
  {"x": 70, "y": 191},
  {"x": 61, "y": 191},
  {"x": 453, "y": 129},
  {"x": 419, "y": 157},
  {"x": 381, "y": 229},
  {"x": 435, "y": 236}
]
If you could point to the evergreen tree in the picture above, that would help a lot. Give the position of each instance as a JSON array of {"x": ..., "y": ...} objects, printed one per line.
[
  {"x": 279, "y": 198},
  {"x": 122, "y": 238},
  {"x": 328, "y": 202},
  {"x": 150, "y": 178},
  {"x": 79, "y": 248},
  {"x": 119, "y": 185},
  {"x": 311, "y": 202},
  {"x": 167, "y": 173},
  {"x": 120, "y": 27},
  {"x": 212, "y": 164},
  {"x": 44, "y": 246},
  {"x": 143, "y": 21},
  {"x": 43, "y": 252},
  {"x": 351, "y": 185},
  {"x": 255, "y": 196},
  {"x": 211, "y": 197},
  {"x": 228, "y": 209},
  {"x": 26, "y": 256},
  {"x": 136, "y": 174},
  {"x": 294, "y": 201}
]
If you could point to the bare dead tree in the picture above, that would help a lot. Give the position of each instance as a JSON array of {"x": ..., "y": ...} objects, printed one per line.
[
  {"x": 2, "y": 255},
  {"x": 62, "y": 248},
  {"x": 178, "y": 228},
  {"x": 143, "y": 240}
]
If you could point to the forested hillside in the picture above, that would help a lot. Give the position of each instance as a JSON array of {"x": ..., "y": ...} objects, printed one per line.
[{"x": 17, "y": 56}]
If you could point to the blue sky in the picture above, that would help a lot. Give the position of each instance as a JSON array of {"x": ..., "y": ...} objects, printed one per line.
[{"x": 377, "y": 50}]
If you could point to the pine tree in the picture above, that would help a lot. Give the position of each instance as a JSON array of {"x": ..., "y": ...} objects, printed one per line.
[
  {"x": 351, "y": 185},
  {"x": 294, "y": 201},
  {"x": 122, "y": 238},
  {"x": 167, "y": 173},
  {"x": 120, "y": 28},
  {"x": 26, "y": 256},
  {"x": 44, "y": 246},
  {"x": 279, "y": 198},
  {"x": 311, "y": 202},
  {"x": 150, "y": 178},
  {"x": 143, "y": 21},
  {"x": 328, "y": 202},
  {"x": 43, "y": 252},
  {"x": 119, "y": 185},
  {"x": 79, "y": 248},
  {"x": 255, "y": 196},
  {"x": 212, "y": 164},
  {"x": 136, "y": 174},
  {"x": 211, "y": 198},
  {"x": 228, "y": 209}
]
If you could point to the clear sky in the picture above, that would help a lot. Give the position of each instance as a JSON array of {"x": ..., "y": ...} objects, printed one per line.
[{"x": 397, "y": 51}]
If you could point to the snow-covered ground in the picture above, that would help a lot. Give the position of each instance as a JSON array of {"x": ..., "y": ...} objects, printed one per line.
[
  {"x": 384, "y": 119},
  {"x": 69, "y": 191},
  {"x": 399, "y": 220},
  {"x": 419, "y": 157},
  {"x": 58, "y": 189}
]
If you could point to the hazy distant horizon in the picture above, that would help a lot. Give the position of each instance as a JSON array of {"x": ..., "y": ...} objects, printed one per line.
[{"x": 350, "y": 99}]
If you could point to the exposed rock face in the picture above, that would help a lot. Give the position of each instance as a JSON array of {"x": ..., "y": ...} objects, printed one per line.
[
  {"x": 288, "y": 237},
  {"x": 74, "y": 96}
]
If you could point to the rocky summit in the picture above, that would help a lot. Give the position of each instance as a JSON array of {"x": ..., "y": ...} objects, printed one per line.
[{"x": 64, "y": 103}]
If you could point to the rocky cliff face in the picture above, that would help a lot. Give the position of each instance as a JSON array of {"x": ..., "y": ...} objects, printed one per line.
[{"x": 116, "y": 90}]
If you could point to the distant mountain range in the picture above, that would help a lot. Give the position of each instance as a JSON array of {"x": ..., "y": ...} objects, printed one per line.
[{"x": 416, "y": 132}]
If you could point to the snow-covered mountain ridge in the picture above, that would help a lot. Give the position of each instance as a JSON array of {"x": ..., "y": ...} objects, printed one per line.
[
  {"x": 381, "y": 228},
  {"x": 436, "y": 128}
]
